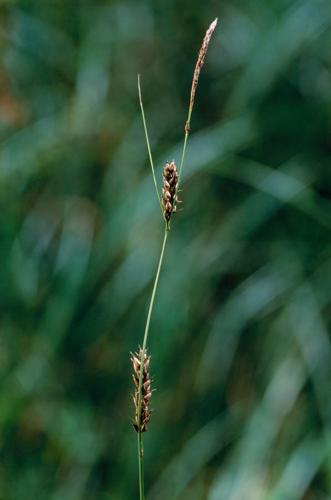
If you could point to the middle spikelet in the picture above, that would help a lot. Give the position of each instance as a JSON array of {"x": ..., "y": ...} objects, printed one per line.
[
  {"x": 146, "y": 390},
  {"x": 169, "y": 191}
]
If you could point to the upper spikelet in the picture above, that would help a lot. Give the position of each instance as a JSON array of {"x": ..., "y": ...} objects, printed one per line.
[
  {"x": 146, "y": 390},
  {"x": 169, "y": 191},
  {"x": 199, "y": 64}
]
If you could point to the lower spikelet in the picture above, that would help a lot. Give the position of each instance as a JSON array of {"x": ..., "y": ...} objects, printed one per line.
[
  {"x": 169, "y": 191},
  {"x": 146, "y": 391}
]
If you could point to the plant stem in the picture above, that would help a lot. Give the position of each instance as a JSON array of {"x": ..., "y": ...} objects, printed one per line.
[
  {"x": 187, "y": 131},
  {"x": 148, "y": 145},
  {"x": 156, "y": 281},
  {"x": 198, "y": 66},
  {"x": 141, "y": 466},
  {"x": 148, "y": 320}
]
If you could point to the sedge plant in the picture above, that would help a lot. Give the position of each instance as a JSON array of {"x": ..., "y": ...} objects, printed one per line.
[{"x": 168, "y": 200}]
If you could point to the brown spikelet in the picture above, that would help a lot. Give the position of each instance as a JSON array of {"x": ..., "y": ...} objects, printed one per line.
[
  {"x": 146, "y": 391},
  {"x": 199, "y": 64},
  {"x": 169, "y": 191}
]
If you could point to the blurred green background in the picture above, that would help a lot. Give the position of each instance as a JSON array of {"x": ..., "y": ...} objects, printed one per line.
[{"x": 241, "y": 354}]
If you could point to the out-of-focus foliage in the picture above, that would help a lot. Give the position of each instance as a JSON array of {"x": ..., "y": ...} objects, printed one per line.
[{"x": 241, "y": 354}]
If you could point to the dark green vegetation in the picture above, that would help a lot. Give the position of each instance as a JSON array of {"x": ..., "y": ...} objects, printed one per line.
[{"x": 241, "y": 354}]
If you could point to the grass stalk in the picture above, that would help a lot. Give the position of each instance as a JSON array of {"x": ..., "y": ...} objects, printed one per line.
[
  {"x": 171, "y": 180},
  {"x": 146, "y": 332},
  {"x": 141, "y": 466},
  {"x": 187, "y": 131}
]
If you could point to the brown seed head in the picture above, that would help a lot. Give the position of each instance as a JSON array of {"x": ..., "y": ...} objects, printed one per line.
[
  {"x": 199, "y": 64},
  {"x": 146, "y": 391},
  {"x": 169, "y": 195}
]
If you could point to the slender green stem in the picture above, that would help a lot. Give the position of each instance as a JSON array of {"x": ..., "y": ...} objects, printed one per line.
[
  {"x": 148, "y": 144},
  {"x": 148, "y": 320},
  {"x": 150, "y": 309},
  {"x": 182, "y": 160},
  {"x": 187, "y": 131},
  {"x": 141, "y": 466}
]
